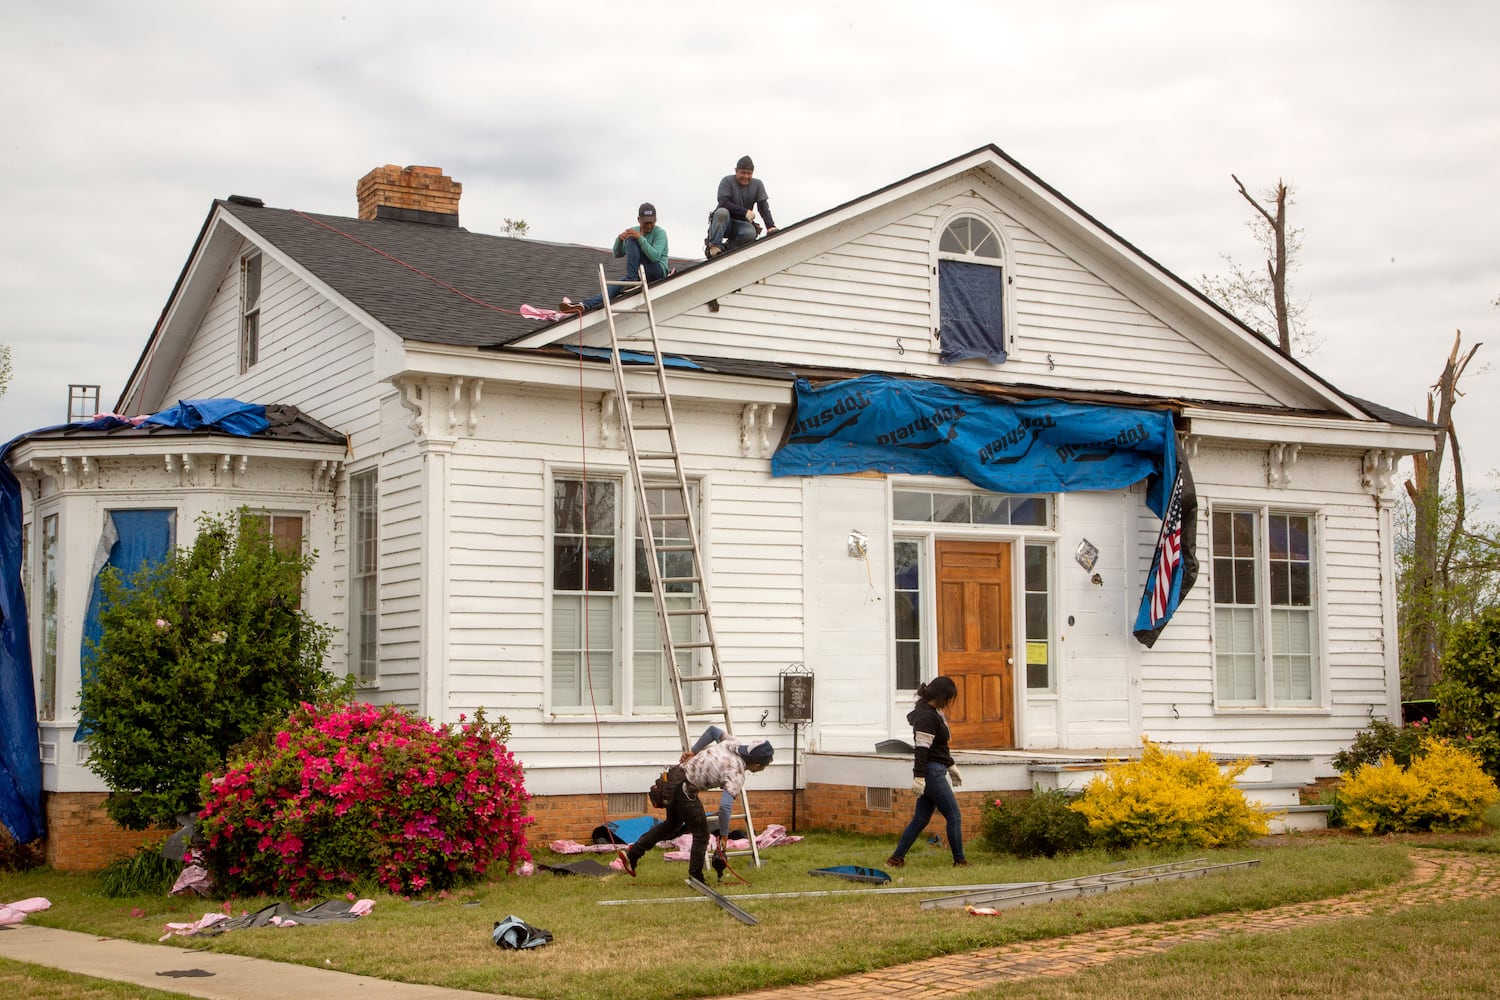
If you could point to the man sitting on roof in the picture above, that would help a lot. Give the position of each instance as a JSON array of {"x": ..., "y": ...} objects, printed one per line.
[
  {"x": 732, "y": 224},
  {"x": 644, "y": 247}
]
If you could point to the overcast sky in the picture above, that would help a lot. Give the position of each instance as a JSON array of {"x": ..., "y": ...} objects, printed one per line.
[{"x": 122, "y": 121}]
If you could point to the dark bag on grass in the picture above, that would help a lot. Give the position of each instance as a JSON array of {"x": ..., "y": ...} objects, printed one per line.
[
  {"x": 664, "y": 789},
  {"x": 513, "y": 932}
]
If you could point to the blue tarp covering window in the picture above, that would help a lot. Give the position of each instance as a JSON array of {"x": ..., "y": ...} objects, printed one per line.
[
  {"x": 131, "y": 539},
  {"x": 969, "y": 312}
]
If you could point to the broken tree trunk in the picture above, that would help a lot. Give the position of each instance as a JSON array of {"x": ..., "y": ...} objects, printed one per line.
[{"x": 1432, "y": 551}]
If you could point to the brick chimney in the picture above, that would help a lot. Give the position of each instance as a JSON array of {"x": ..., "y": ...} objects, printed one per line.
[{"x": 409, "y": 194}]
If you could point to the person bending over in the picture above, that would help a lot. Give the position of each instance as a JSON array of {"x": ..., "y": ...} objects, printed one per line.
[{"x": 717, "y": 760}]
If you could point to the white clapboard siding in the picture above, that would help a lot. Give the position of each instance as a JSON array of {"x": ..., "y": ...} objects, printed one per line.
[
  {"x": 313, "y": 355},
  {"x": 400, "y": 560},
  {"x": 1177, "y": 674},
  {"x": 868, "y": 302},
  {"x": 497, "y": 517}
]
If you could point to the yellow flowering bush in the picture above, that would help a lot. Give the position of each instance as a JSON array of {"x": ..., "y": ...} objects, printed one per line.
[
  {"x": 1170, "y": 800},
  {"x": 1444, "y": 788}
]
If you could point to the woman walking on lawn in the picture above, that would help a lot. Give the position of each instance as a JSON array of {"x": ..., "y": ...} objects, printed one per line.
[{"x": 932, "y": 770}]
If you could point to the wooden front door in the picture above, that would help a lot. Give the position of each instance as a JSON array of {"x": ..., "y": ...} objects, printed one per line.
[{"x": 974, "y": 642}]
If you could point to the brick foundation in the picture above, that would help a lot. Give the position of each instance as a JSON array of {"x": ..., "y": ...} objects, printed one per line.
[
  {"x": 574, "y": 817},
  {"x": 80, "y": 835},
  {"x": 845, "y": 807}
]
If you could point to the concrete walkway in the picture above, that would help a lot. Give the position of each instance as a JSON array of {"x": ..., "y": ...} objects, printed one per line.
[
  {"x": 1438, "y": 876},
  {"x": 203, "y": 973}
]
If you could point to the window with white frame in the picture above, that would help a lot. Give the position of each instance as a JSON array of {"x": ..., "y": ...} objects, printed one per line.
[
  {"x": 971, "y": 280},
  {"x": 1265, "y": 608},
  {"x": 47, "y": 700},
  {"x": 596, "y": 615},
  {"x": 249, "y": 311},
  {"x": 1038, "y": 590},
  {"x": 364, "y": 547},
  {"x": 906, "y": 603}
]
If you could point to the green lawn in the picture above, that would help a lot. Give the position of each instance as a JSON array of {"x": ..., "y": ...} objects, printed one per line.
[{"x": 690, "y": 948}]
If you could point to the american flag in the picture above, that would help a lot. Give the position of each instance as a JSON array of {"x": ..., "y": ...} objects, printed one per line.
[{"x": 1168, "y": 554}]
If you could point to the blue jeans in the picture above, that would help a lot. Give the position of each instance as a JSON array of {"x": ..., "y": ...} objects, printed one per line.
[
  {"x": 938, "y": 796},
  {"x": 721, "y": 225},
  {"x": 633, "y": 264}
]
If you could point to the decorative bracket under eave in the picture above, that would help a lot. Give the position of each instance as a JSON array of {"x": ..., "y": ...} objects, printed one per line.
[
  {"x": 1378, "y": 470},
  {"x": 326, "y": 473},
  {"x": 1282, "y": 458},
  {"x": 442, "y": 407},
  {"x": 609, "y": 420},
  {"x": 1187, "y": 445},
  {"x": 756, "y": 421}
]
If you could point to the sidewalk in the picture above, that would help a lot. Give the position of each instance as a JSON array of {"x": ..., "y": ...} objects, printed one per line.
[{"x": 203, "y": 973}]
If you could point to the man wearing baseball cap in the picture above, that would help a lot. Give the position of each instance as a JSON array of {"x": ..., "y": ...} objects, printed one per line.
[
  {"x": 643, "y": 246},
  {"x": 717, "y": 760},
  {"x": 732, "y": 223}
]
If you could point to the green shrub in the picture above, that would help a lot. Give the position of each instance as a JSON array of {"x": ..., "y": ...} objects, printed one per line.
[
  {"x": 1170, "y": 800},
  {"x": 1444, "y": 788},
  {"x": 144, "y": 873},
  {"x": 195, "y": 652},
  {"x": 341, "y": 794},
  {"x": 1469, "y": 693},
  {"x": 1381, "y": 739},
  {"x": 16, "y": 857},
  {"x": 1040, "y": 825}
]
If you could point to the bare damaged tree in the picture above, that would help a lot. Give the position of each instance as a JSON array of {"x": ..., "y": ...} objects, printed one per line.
[
  {"x": 1264, "y": 300},
  {"x": 1431, "y": 567}
]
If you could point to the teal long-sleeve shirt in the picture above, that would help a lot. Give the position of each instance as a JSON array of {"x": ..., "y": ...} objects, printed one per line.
[{"x": 653, "y": 246}]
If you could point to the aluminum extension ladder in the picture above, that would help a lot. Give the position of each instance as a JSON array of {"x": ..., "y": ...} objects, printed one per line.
[{"x": 669, "y": 530}]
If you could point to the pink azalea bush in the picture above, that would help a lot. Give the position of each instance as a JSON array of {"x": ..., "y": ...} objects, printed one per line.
[{"x": 343, "y": 793}]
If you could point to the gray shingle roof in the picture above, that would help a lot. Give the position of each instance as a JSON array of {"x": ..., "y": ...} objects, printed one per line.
[{"x": 484, "y": 279}]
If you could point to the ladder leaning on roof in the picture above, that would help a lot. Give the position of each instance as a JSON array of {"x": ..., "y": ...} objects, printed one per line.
[{"x": 669, "y": 529}]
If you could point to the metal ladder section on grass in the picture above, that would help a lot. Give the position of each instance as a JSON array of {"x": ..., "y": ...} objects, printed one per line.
[
  {"x": 1073, "y": 888},
  {"x": 669, "y": 526}
]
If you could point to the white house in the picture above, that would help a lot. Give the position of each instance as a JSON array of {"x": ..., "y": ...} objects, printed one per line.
[{"x": 450, "y": 525}]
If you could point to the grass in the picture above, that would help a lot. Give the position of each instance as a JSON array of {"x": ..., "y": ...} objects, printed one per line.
[
  {"x": 688, "y": 949},
  {"x": 24, "y": 981},
  {"x": 1445, "y": 952}
]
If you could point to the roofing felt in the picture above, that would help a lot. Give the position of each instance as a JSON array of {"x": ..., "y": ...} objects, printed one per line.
[{"x": 429, "y": 283}]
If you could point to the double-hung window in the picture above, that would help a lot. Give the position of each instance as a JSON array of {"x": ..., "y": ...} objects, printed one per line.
[
  {"x": 601, "y": 598},
  {"x": 364, "y": 582},
  {"x": 249, "y": 311},
  {"x": 47, "y": 700},
  {"x": 1265, "y": 608}
]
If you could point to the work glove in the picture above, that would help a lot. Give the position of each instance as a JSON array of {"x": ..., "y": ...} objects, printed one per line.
[
  {"x": 954, "y": 778},
  {"x": 919, "y": 786}
]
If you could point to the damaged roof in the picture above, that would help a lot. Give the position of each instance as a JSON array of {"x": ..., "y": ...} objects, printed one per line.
[
  {"x": 287, "y": 423},
  {"x": 434, "y": 284}
]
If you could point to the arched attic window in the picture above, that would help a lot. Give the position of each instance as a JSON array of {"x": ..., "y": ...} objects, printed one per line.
[{"x": 971, "y": 292}]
